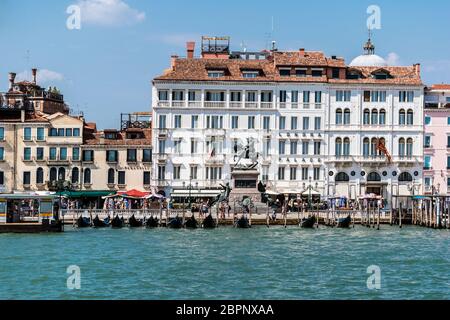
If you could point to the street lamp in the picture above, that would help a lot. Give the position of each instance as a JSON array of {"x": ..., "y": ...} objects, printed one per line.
[
  {"x": 309, "y": 196},
  {"x": 190, "y": 187}
]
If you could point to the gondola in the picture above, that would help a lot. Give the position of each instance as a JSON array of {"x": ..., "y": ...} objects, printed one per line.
[
  {"x": 175, "y": 223},
  {"x": 209, "y": 223},
  {"x": 243, "y": 223},
  {"x": 191, "y": 223},
  {"x": 135, "y": 223},
  {"x": 152, "y": 222},
  {"x": 83, "y": 222},
  {"x": 344, "y": 222},
  {"x": 308, "y": 222},
  {"x": 101, "y": 223},
  {"x": 117, "y": 222}
]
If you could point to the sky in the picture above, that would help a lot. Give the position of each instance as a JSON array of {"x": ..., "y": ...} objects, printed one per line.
[{"x": 105, "y": 68}]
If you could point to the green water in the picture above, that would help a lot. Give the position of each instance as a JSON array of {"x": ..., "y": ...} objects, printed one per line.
[{"x": 227, "y": 263}]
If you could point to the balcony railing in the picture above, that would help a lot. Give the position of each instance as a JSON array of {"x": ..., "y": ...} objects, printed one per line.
[
  {"x": 251, "y": 105},
  {"x": 235, "y": 104},
  {"x": 266, "y": 105},
  {"x": 178, "y": 104},
  {"x": 215, "y": 104}
]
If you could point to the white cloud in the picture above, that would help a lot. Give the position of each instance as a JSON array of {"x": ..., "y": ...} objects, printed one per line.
[
  {"x": 393, "y": 59},
  {"x": 109, "y": 13},
  {"x": 43, "y": 76}
]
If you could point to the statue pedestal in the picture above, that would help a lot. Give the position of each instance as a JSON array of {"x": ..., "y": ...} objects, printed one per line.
[{"x": 245, "y": 184}]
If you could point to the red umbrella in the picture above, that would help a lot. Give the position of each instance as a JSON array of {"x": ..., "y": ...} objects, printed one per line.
[{"x": 136, "y": 194}]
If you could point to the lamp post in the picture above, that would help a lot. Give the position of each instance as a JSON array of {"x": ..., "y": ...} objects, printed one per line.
[
  {"x": 190, "y": 187},
  {"x": 309, "y": 196}
]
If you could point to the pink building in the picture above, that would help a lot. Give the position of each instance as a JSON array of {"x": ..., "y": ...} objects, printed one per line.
[{"x": 437, "y": 140}]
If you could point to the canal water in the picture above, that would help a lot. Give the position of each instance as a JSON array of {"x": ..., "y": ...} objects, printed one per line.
[{"x": 227, "y": 263}]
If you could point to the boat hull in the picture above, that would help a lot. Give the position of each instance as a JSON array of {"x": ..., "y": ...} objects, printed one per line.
[
  {"x": 175, "y": 223},
  {"x": 344, "y": 223},
  {"x": 308, "y": 223},
  {"x": 209, "y": 223},
  {"x": 31, "y": 227},
  {"x": 243, "y": 223}
]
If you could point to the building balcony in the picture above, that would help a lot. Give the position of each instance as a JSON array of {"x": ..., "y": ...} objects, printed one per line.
[
  {"x": 236, "y": 104},
  {"x": 58, "y": 161},
  {"x": 178, "y": 104},
  {"x": 373, "y": 160},
  {"x": 214, "y": 132},
  {"x": 162, "y": 157},
  {"x": 217, "y": 159},
  {"x": 407, "y": 160},
  {"x": 163, "y": 103},
  {"x": 266, "y": 105},
  {"x": 251, "y": 105},
  {"x": 341, "y": 159},
  {"x": 194, "y": 104},
  {"x": 215, "y": 104}
]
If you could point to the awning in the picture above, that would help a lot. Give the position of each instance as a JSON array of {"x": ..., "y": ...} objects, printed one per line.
[
  {"x": 85, "y": 194},
  {"x": 312, "y": 192},
  {"x": 195, "y": 193}
]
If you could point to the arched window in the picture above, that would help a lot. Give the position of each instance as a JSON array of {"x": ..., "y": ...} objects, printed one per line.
[
  {"x": 338, "y": 147},
  {"x": 75, "y": 175},
  {"x": 401, "y": 147},
  {"x": 53, "y": 174},
  {"x": 366, "y": 147},
  {"x": 347, "y": 116},
  {"x": 111, "y": 174},
  {"x": 382, "y": 117},
  {"x": 39, "y": 176},
  {"x": 366, "y": 119},
  {"x": 61, "y": 174},
  {"x": 374, "y": 117},
  {"x": 346, "y": 150},
  {"x": 374, "y": 147},
  {"x": 402, "y": 117},
  {"x": 410, "y": 117},
  {"x": 342, "y": 177},
  {"x": 405, "y": 177},
  {"x": 409, "y": 147},
  {"x": 339, "y": 116},
  {"x": 87, "y": 176},
  {"x": 374, "y": 177}
]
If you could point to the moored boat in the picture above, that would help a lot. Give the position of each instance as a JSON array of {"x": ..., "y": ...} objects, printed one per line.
[
  {"x": 152, "y": 222},
  {"x": 83, "y": 222},
  {"x": 209, "y": 223},
  {"x": 98, "y": 223},
  {"x": 191, "y": 223},
  {"x": 344, "y": 222},
  {"x": 175, "y": 223},
  {"x": 308, "y": 222},
  {"x": 135, "y": 223},
  {"x": 243, "y": 223},
  {"x": 117, "y": 222}
]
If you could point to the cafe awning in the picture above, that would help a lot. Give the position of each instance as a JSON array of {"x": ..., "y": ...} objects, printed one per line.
[{"x": 85, "y": 194}]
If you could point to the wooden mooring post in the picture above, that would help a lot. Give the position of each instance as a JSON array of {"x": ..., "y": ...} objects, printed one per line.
[{"x": 400, "y": 215}]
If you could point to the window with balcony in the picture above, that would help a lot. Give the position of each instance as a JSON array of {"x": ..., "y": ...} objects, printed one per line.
[
  {"x": 235, "y": 96},
  {"x": 266, "y": 96},
  {"x": 121, "y": 178},
  {"x": 283, "y": 96},
  {"x": 178, "y": 95},
  {"x": 306, "y": 96},
  {"x": 163, "y": 95},
  {"x": 215, "y": 96},
  {"x": 27, "y": 134},
  {"x": 162, "y": 146},
  {"x": 294, "y": 97},
  {"x": 251, "y": 96},
  {"x": 318, "y": 97}
]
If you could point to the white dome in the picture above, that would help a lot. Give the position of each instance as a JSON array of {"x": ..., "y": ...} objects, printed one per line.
[{"x": 368, "y": 60}]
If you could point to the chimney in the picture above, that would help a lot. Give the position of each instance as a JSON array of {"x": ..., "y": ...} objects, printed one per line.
[
  {"x": 34, "y": 73},
  {"x": 12, "y": 77},
  {"x": 190, "y": 48},
  {"x": 173, "y": 60},
  {"x": 417, "y": 67},
  {"x": 302, "y": 52}
]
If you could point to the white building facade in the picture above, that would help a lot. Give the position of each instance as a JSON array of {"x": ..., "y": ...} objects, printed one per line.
[{"x": 310, "y": 117}]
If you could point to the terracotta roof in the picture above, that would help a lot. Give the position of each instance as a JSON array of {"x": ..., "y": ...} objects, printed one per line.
[
  {"x": 96, "y": 139},
  {"x": 197, "y": 69},
  {"x": 440, "y": 87}
]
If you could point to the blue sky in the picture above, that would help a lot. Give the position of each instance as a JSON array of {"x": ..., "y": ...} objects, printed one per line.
[{"x": 106, "y": 67}]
